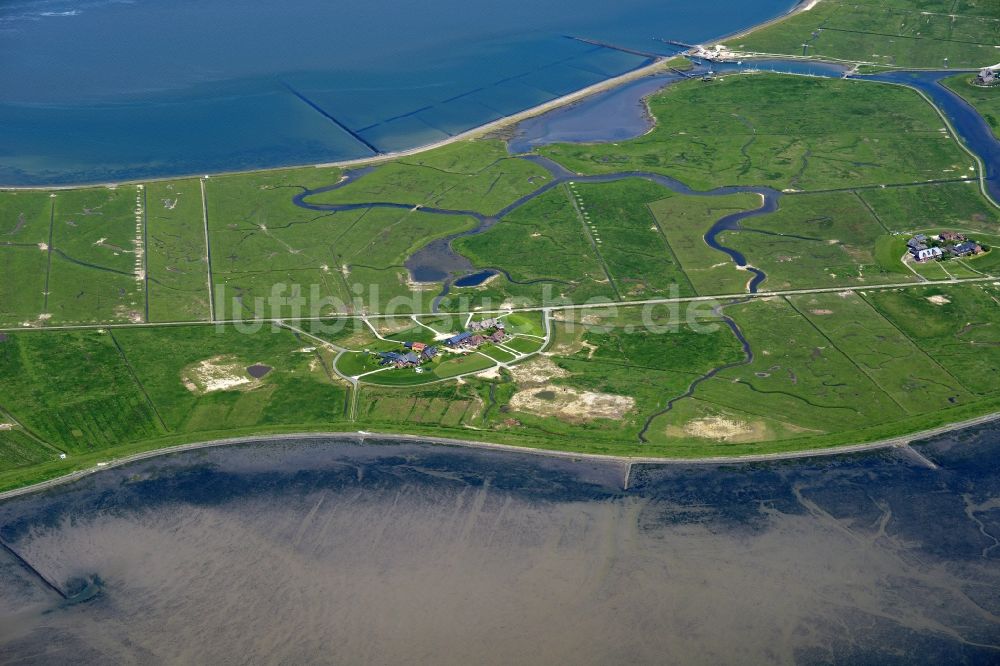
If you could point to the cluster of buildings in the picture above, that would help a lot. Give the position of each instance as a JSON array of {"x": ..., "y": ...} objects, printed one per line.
[
  {"x": 988, "y": 76},
  {"x": 416, "y": 354},
  {"x": 486, "y": 325},
  {"x": 479, "y": 333},
  {"x": 945, "y": 245}
]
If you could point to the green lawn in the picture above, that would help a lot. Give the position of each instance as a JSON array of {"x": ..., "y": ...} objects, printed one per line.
[
  {"x": 526, "y": 323},
  {"x": 524, "y": 345},
  {"x": 450, "y": 366}
]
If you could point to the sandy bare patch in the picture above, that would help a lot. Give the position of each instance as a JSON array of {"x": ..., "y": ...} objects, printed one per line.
[
  {"x": 38, "y": 321},
  {"x": 413, "y": 285},
  {"x": 6, "y": 426},
  {"x": 219, "y": 373},
  {"x": 569, "y": 404},
  {"x": 723, "y": 429},
  {"x": 391, "y": 326},
  {"x": 133, "y": 316},
  {"x": 568, "y": 347},
  {"x": 821, "y": 312},
  {"x": 537, "y": 371},
  {"x": 490, "y": 373},
  {"x": 937, "y": 299}
]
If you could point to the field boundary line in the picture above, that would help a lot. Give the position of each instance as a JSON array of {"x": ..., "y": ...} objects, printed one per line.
[
  {"x": 917, "y": 345},
  {"x": 48, "y": 265},
  {"x": 145, "y": 247},
  {"x": 533, "y": 308},
  {"x": 28, "y": 431},
  {"x": 840, "y": 351},
  {"x": 208, "y": 250},
  {"x": 581, "y": 215},
  {"x": 670, "y": 249},
  {"x": 138, "y": 382}
]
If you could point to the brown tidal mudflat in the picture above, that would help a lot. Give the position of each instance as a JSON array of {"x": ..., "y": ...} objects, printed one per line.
[{"x": 404, "y": 553}]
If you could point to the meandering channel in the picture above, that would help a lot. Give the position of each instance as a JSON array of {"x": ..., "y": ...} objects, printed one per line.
[
  {"x": 746, "y": 360},
  {"x": 438, "y": 261}
]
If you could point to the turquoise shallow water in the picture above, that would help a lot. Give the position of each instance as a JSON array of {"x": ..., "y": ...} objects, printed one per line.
[{"x": 94, "y": 90}]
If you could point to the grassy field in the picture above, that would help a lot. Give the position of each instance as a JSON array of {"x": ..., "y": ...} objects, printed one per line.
[
  {"x": 326, "y": 261},
  {"x": 472, "y": 176},
  {"x": 986, "y": 100},
  {"x": 74, "y": 390},
  {"x": 18, "y": 450},
  {"x": 900, "y": 33},
  {"x": 826, "y": 365},
  {"x": 956, "y": 325},
  {"x": 912, "y": 379},
  {"x": 176, "y": 257},
  {"x": 819, "y": 240},
  {"x": 663, "y": 378},
  {"x": 684, "y": 220},
  {"x": 258, "y": 239},
  {"x": 545, "y": 248},
  {"x": 797, "y": 376},
  {"x": 628, "y": 239},
  {"x": 827, "y": 369},
  {"x": 96, "y": 263},
  {"x": 739, "y": 130},
  {"x": 956, "y": 206},
  {"x": 25, "y": 219}
]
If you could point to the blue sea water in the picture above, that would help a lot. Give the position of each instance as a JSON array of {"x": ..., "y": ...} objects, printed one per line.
[{"x": 95, "y": 90}]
